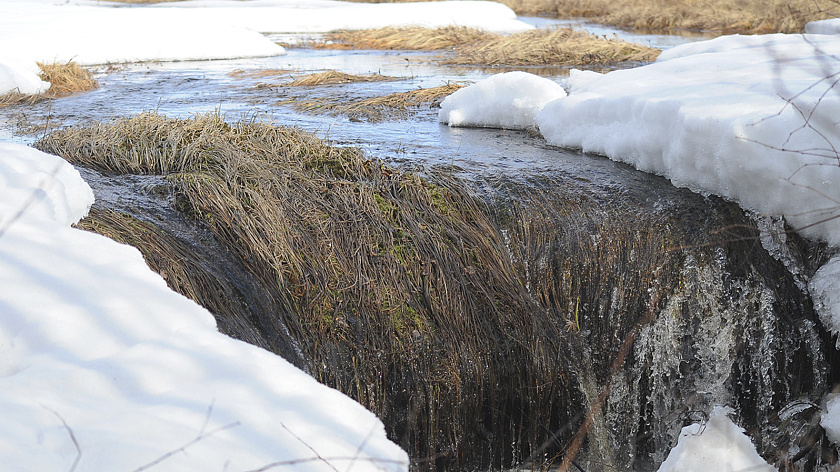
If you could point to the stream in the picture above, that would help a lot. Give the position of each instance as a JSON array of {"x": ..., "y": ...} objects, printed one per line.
[{"x": 715, "y": 319}]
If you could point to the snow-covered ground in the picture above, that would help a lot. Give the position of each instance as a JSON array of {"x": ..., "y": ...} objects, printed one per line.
[
  {"x": 750, "y": 118},
  {"x": 103, "y": 365},
  {"x": 98, "y": 32}
]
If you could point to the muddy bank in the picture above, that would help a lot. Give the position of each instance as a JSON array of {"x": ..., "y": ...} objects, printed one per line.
[{"x": 489, "y": 322}]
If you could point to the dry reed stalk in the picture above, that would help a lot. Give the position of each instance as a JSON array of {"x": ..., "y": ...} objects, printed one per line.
[
  {"x": 725, "y": 16},
  {"x": 404, "y": 38},
  {"x": 562, "y": 46},
  {"x": 332, "y": 77},
  {"x": 67, "y": 78},
  {"x": 389, "y": 106}
]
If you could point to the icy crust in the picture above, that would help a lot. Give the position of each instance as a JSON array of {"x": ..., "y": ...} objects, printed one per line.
[
  {"x": 511, "y": 100},
  {"x": 102, "y": 364},
  {"x": 714, "y": 117},
  {"x": 825, "y": 291},
  {"x": 718, "y": 444}
]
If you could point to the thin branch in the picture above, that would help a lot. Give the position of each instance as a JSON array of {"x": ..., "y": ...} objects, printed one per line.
[
  {"x": 202, "y": 435},
  {"x": 318, "y": 456},
  {"x": 72, "y": 438}
]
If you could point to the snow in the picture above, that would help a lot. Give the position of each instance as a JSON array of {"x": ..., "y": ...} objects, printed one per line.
[
  {"x": 510, "y": 100},
  {"x": 718, "y": 444},
  {"x": 830, "y": 420},
  {"x": 199, "y": 30},
  {"x": 20, "y": 78},
  {"x": 830, "y": 26},
  {"x": 100, "y": 362}
]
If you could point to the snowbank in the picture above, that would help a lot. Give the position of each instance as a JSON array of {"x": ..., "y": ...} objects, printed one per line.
[
  {"x": 60, "y": 32},
  {"x": 831, "y": 26},
  {"x": 713, "y": 116},
  {"x": 20, "y": 78},
  {"x": 717, "y": 445},
  {"x": 511, "y": 100},
  {"x": 93, "y": 32},
  {"x": 102, "y": 364}
]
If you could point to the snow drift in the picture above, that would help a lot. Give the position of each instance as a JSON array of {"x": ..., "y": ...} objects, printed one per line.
[{"x": 104, "y": 367}]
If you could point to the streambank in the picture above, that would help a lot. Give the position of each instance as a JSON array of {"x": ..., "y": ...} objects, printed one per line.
[{"x": 484, "y": 318}]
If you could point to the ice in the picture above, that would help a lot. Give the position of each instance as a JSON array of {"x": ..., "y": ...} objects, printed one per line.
[
  {"x": 511, "y": 100},
  {"x": 825, "y": 290}
]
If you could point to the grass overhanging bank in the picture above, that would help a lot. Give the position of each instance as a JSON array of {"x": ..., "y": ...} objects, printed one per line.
[
  {"x": 469, "y": 46},
  {"x": 479, "y": 328}
]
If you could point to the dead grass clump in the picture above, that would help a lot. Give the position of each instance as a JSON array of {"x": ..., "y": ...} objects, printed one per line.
[
  {"x": 414, "y": 38},
  {"x": 725, "y": 16},
  {"x": 332, "y": 77},
  {"x": 67, "y": 78},
  {"x": 470, "y": 46},
  {"x": 380, "y": 108},
  {"x": 562, "y": 46}
]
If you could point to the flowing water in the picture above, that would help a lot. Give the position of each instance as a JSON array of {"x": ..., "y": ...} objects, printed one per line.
[{"x": 731, "y": 325}]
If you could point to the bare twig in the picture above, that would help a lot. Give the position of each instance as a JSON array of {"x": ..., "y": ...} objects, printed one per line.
[
  {"x": 72, "y": 438},
  {"x": 202, "y": 435}
]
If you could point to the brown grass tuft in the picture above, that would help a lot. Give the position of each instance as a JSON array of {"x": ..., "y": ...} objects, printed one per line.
[
  {"x": 67, "y": 78},
  {"x": 380, "y": 108},
  {"x": 332, "y": 77},
  {"x": 404, "y": 38},
  {"x": 470, "y": 46},
  {"x": 562, "y": 46}
]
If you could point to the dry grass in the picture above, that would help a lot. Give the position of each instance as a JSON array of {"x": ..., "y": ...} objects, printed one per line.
[
  {"x": 394, "y": 105},
  {"x": 66, "y": 79},
  {"x": 562, "y": 46},
  {"x": 332, "y": 77},
  {"x": 470, "y": 46},
  {"x": 724, "y": 16},
  {"x": 405, "y": 38}
]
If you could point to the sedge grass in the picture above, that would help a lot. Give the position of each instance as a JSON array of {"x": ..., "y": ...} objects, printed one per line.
[
  {"x": 404, "y": 38},
  {"x": 561, "y": 46},
  {"x": 390, "y": 106},
  {"x": 470, "y": 46},
  {"x": 332, "y": 77}
]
